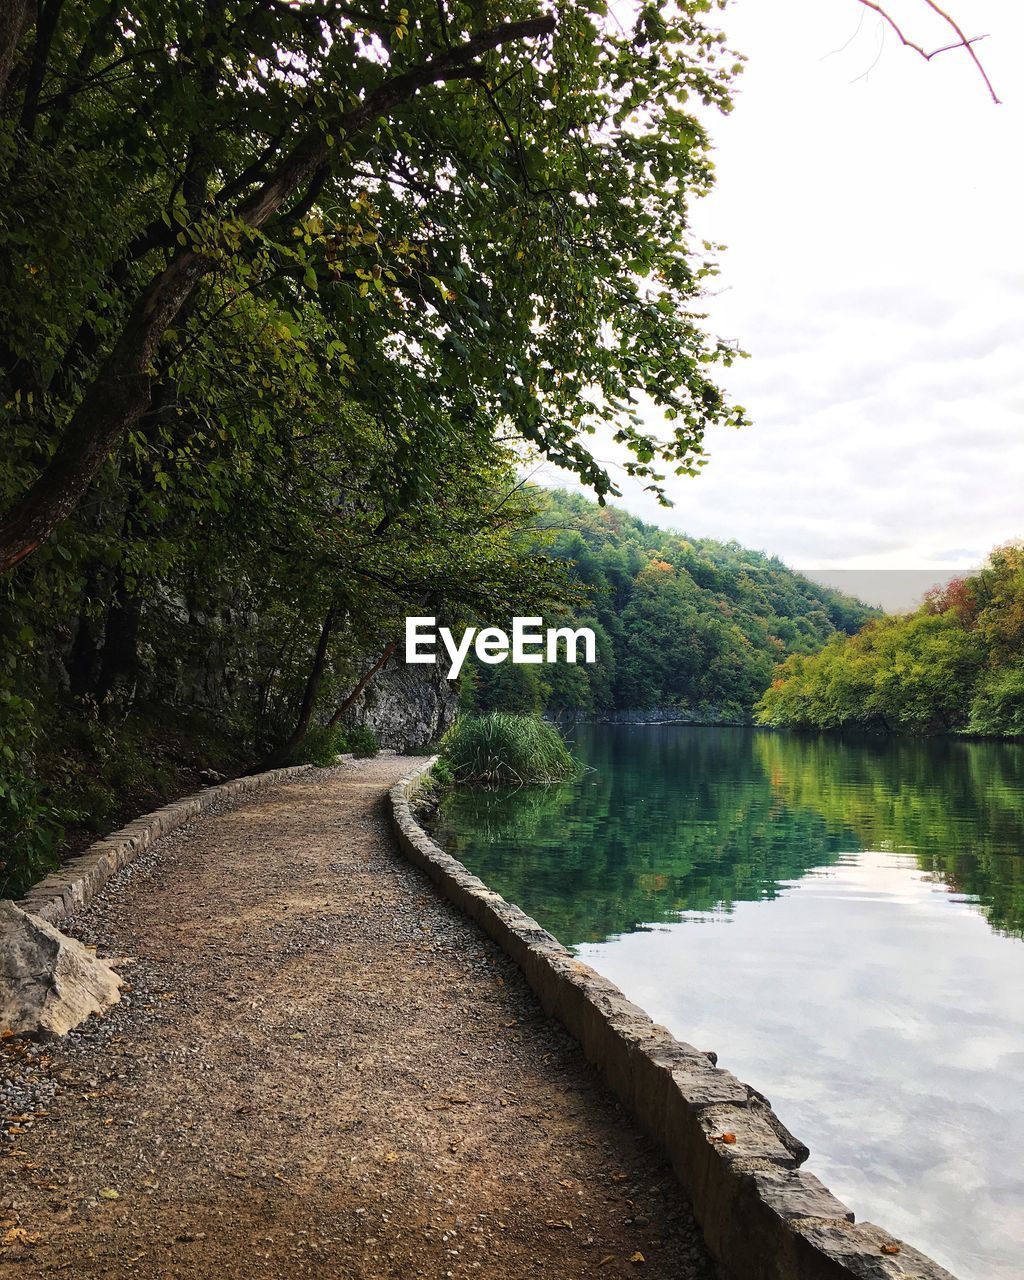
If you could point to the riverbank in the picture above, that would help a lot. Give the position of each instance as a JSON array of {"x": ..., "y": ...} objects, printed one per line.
[{"x": 320, "y": 1068}]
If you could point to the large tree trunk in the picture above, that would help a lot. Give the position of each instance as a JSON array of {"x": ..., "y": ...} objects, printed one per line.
[
  {"x": 309, "y": 697},
  {"x": 117, "y": 399}
]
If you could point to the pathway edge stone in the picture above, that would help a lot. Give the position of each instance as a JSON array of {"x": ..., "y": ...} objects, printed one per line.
[
  {"x": 73, "y": 885},
  {"x": 763, "y": 1218}
]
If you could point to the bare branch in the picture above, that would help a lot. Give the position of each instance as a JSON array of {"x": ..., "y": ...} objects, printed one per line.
[{"x": 962, "y": 41}]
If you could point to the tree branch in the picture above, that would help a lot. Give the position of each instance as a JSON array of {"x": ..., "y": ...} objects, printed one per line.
[
  {"x": 364, "y": 680},
  {"x": 46, "y": 29},
  {"x": 962, "y": 41},
  {"x": 120, "y": 394},
  {"x": 100, "y": 31}
]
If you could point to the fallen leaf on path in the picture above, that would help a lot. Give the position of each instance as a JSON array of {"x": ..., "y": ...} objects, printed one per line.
[
  {"x": 108, "y": 1193},
  {"x": 638, "y": 1257},
  {"x": 18, "y": 1235}
]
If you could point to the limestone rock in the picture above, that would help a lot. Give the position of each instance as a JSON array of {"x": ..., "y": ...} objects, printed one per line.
[
  {"x": 407, "y": 707},
  {"x": 48, "y": 982}
]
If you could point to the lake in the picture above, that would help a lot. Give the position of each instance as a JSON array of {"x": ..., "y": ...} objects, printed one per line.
[{"x": 841, "y": 920}]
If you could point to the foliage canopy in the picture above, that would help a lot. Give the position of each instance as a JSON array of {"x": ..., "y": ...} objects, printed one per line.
[
  {"x": 688, "y": 626},
  {"x": 465, "y": 221},
  {"x": 955, "y": 664}
]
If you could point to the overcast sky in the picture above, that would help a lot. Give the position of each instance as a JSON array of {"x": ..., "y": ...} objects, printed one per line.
[{"x": 872, "y": 207}]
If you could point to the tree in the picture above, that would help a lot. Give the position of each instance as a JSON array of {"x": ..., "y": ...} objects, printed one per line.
[
  {"x": 684, "y": 625},
  {"x": 952, "y": 665},
  {"x": 491, "y": 219}
]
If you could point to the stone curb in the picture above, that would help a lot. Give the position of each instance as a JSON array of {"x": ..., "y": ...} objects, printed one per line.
[
  {"x": 71, "y": 887},
  {"x": 763, "y": 1218}
]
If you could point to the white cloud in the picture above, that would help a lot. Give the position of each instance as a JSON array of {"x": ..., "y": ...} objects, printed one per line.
[{"x": 875, "y": 272}]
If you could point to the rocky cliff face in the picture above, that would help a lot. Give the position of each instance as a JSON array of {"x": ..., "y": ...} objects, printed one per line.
[{"x": 407, "y": 707}]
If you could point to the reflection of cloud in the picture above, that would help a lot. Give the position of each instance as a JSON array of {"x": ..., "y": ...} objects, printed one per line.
[
  {"x": 881, "y": 1019},
  {"x": 876, "y": 275}
]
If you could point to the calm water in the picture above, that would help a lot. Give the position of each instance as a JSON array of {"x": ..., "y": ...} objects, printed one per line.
[{"x": 843, "y": 921}]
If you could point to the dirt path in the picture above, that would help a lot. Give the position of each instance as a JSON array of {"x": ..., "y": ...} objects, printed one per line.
[{"x": 321, "y": 1070}]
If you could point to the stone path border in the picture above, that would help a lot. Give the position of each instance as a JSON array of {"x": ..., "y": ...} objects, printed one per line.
[
  {"x": 74, "y": 885},
  {"x": 763, "y": 1217}
]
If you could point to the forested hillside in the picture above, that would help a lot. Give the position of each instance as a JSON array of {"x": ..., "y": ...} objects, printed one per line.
[
  {"x": 954, "y": 665},
  {"x": 685, "y": 626}
]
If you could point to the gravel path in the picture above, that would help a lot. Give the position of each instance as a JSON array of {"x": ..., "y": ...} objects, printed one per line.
[{"x": 321, "y": 1069}]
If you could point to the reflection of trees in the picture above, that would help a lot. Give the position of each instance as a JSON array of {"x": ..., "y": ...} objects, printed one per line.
[
  {"x": 672, "y": 820},
  {"x": 955, "y": 805},
  {"x": 668, "y": 821}
]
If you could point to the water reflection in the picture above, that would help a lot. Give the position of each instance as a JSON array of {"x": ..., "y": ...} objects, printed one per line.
[
  {"x": 674, "y": 820},
  {"x": 860, "y": 958},
  {"x": 884, "y": 1021}
]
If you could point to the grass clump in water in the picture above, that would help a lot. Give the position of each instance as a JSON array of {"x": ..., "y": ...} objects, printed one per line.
[{"x": 503, "y": 748}]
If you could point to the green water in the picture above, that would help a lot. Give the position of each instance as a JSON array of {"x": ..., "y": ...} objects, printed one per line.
[{"x": 841, "y": 920}]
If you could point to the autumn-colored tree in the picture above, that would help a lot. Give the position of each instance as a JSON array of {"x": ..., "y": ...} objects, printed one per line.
[{"x": 955, "y": 664}]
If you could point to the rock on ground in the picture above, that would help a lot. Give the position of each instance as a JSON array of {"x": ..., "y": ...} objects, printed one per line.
[
  {"x": 320, "y": 1069},
  {"x": 48, "y": 982}
]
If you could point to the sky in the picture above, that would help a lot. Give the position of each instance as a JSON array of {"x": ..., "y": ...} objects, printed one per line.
[{"x": 872, "y": 205}]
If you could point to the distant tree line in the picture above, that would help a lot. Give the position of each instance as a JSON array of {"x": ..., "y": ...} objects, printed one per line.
[
  {"x": 682, "y": 624},
  {"x": 954, "y": 665}
]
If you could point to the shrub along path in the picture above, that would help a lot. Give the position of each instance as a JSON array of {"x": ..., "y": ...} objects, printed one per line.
[{"x": 322, "y": 1070}]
